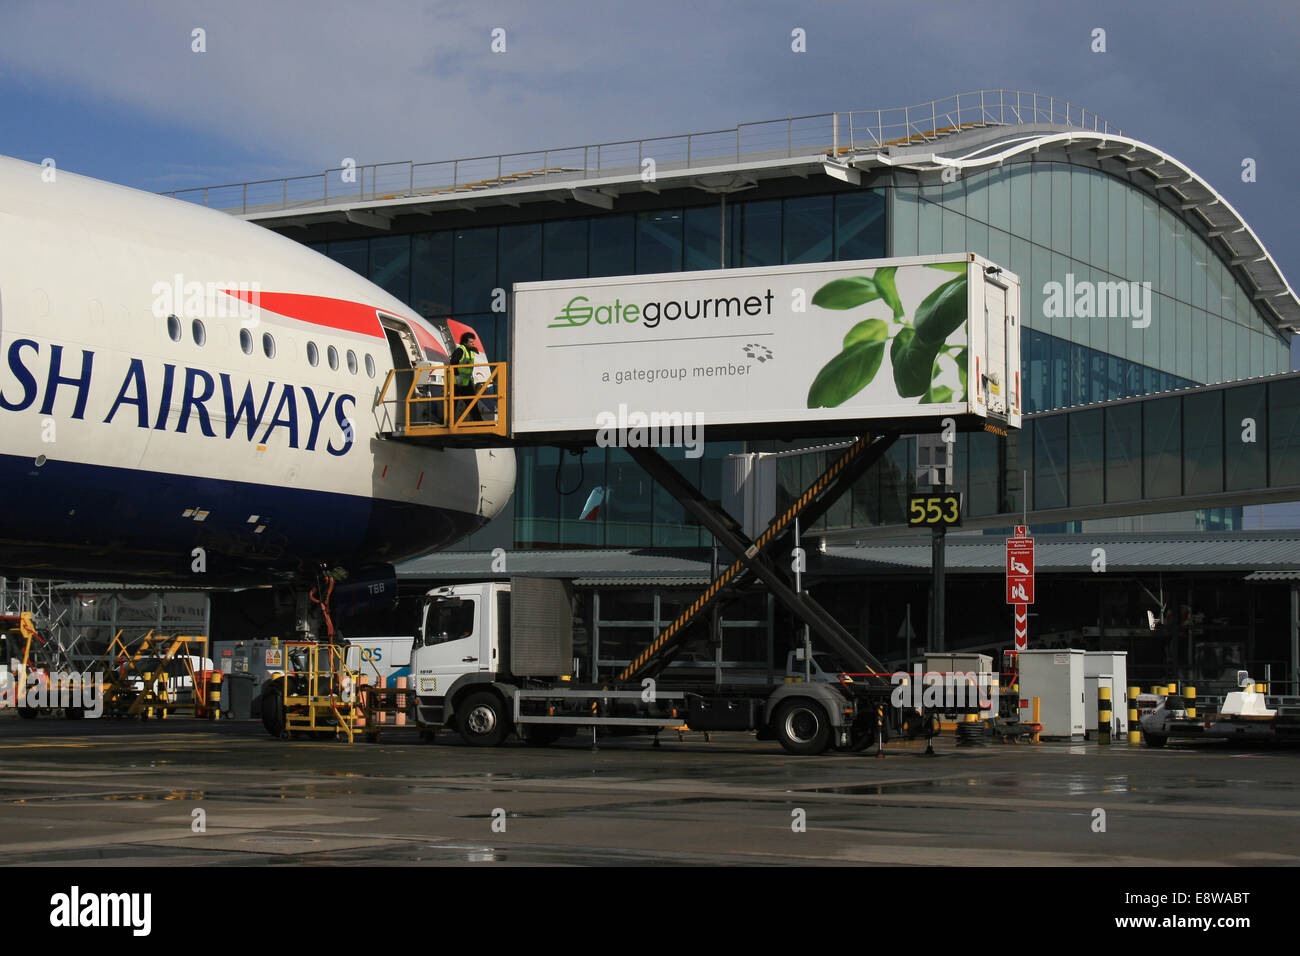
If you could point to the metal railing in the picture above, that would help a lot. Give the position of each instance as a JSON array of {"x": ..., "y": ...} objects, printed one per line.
[
  {"x": 417, "y": 403},
  {"x": 835, "y": 134}
]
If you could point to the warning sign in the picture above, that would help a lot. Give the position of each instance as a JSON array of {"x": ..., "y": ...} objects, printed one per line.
[{"x": 1020, "y": 570}]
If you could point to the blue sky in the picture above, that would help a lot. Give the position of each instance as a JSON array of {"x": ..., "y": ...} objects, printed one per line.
[{"x": 115, "y": 91}]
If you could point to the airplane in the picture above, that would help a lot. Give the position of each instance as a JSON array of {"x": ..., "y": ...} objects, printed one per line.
[{"x": 188, "y": 398}]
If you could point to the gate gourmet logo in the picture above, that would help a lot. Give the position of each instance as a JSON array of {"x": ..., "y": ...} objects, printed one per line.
[{"x": 580, "y": 311}]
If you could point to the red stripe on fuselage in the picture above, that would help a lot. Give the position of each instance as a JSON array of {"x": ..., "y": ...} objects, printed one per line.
[
  {"x": 336, "y": 314},
  {"x": 316, "y": 309}
]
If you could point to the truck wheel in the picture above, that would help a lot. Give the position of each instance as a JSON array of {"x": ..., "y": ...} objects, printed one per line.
[
  {"x": 1154, "y": 740},
  {"x": 481, "y": 719},
  {"x": 802, "y": 727},
  {"x": 273, "y": 711}
]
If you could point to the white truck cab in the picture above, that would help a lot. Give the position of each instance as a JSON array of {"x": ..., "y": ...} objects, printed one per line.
[{"x": 460, "y": 634}]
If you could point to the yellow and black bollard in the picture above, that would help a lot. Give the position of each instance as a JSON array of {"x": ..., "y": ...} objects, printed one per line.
[
  {"x": 1189, "y": 698},
  {"x": 214, "y": 695},
  {"x": 1134, "y": 733},
  {"x": 1104, "y": 714}
]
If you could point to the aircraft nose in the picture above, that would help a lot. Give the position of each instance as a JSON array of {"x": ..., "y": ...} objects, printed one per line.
[{"x": 496, "y": 468}]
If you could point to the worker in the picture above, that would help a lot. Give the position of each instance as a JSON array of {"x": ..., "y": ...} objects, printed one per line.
[{"x": 464, "y": 357}]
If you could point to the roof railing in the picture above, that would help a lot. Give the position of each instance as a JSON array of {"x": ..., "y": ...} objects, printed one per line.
[{"x": 835, "y": 134}]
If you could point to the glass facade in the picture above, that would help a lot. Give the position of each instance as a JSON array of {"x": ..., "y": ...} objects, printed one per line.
[
  {"x": 1229, "y": 439},
  {"x": 1073, "y": 234}
]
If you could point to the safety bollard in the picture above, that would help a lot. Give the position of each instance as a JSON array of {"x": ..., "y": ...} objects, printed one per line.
[
  {"x": 1134, "y": 734},
  {"x": 1037, "y": 715},
  {"x": 401, "y": 701},
  {"x": 359, "y": 710},
  {"x": 1104, "y": 715},
  {"x": 1189, "y": 695},
  {"x": 212, "y": 701}
]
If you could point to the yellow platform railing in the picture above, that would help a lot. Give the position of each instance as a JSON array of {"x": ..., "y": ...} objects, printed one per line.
[{"x": 425, "y": 401}]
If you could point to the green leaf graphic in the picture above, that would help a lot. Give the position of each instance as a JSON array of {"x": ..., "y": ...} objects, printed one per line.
[
  {"x": 960, "y": 358},
  {"x": 948, "y": 266},
  {"x": 884, "y": 279},
  {"x": 846, "y": 293},
  {"x": 937, "y": 395},
  {"x": 913, "y": 359},
  {"x": 847, "y": 374},
  {"x": 868, "y": 331},
  {"x": 941, "y": 312}
]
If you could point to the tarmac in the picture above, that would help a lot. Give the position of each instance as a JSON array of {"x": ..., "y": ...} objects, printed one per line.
[{"x": 186, "y": 792}]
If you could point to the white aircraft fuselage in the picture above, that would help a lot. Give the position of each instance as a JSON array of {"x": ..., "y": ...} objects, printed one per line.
[{"x": 187, "y": 396}]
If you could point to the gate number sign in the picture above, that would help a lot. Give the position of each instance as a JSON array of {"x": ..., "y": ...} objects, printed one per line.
[{"x": 930, "y": 511}]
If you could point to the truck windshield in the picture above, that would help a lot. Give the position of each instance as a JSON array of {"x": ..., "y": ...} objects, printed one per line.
[{"x": 449, "y": 622}]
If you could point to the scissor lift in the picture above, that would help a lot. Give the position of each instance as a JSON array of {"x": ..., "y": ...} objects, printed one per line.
[{"x": 140, "y": 675}]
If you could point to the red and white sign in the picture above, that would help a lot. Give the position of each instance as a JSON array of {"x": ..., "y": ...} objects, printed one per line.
[
  {"x": 1022, "y": 626},
  {"x": 1020, "y": 570}
]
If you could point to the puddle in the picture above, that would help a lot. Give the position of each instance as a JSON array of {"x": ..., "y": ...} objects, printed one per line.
[{"x": 74, "y": 797}]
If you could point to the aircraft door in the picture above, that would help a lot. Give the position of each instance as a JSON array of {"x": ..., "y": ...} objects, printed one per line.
[{"x": 405, "y": 351}]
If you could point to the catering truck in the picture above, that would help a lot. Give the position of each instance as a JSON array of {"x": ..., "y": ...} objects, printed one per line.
[
  {"x": 495, "y": 658},
  {"x": 874, "y": 349}
]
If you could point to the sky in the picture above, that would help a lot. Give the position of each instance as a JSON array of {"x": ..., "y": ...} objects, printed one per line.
[{"x": 117, "y": 91}]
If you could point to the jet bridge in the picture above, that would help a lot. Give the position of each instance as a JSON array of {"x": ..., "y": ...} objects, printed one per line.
[{"x": 876, "y": 348}]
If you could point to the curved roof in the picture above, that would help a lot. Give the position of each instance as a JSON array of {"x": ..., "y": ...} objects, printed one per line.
[
  {"x": 1148, "y": 168},
  {"x": 975, "y": 130}
]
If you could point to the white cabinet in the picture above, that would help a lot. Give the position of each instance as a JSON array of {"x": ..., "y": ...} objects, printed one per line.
[{"x": 1056, "y": 678}]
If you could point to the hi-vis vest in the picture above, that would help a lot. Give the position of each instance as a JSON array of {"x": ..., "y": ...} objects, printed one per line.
[{"x": 463, "y": 355}]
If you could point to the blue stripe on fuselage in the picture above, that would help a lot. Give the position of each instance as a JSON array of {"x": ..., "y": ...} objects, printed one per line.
[{"x": 66, "y": 519}]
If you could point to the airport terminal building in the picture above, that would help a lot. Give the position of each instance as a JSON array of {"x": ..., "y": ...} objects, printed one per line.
[{"x": 1155, "y": 325}]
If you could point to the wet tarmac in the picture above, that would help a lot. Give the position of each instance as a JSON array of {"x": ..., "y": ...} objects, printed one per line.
[{"x": 123, "y": 793}]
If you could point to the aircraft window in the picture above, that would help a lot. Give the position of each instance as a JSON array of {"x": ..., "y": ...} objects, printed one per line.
[
  {"x": 370, "y": 365},
  {"x": 199, "y": 332},
  {"x": 173, "y": 328},
  {"x": 352, "y": 362},
  {"x": 268, "y": 344},
  {"x": 246, "y": 341},
  {"x": 313, "y": 354},
  {"x": 333, "y": 354}
]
